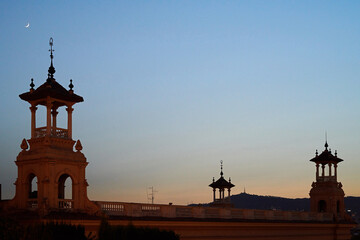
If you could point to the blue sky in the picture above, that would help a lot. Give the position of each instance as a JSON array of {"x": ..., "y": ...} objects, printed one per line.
[{"x": 173, "y": 87}]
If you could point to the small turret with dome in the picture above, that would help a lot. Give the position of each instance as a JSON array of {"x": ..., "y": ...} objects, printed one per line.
[{"x": 221, "y": 184}]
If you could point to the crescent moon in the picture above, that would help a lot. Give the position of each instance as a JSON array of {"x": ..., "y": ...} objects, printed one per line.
[{"x": 27, "y": 25}]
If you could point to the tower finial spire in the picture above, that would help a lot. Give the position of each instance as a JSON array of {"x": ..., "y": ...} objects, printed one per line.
[
  {"x": 221, "y": 163},
  {"x": 32, "y": 85},
  {"x": 71, "y": 87},
  {"x": 51, "y": 70},
  {"x": 326, "y": 144}
]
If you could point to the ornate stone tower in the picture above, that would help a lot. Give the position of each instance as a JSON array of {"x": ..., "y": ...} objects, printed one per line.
[
  {"x": 326, "y": 194},
  {"x": 221, "y": 184},
  {"x": 47, "y": 159}
]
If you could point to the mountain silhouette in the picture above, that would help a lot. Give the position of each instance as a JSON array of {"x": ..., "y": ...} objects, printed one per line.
[{"x": 252, "y": 201}]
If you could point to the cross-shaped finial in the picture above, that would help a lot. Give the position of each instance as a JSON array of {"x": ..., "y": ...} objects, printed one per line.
[
  {"x": 51, "y": 43},
  {"x": 51, "y": 70}
]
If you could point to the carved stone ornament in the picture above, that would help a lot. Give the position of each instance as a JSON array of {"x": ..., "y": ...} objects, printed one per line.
[
  {"x": 24, "y": 145},
  {"x": 78, "y": 146}
]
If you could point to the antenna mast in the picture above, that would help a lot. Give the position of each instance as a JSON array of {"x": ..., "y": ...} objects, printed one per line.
[{"x": 151, "y": 195}]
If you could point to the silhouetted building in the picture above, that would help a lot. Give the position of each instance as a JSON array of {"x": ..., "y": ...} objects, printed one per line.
[
  {"x": 326, "y": 194},
  {"x": 222, "y": 185}
]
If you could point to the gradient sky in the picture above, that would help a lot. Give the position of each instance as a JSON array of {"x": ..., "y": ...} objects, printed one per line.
[{"x": 173, "y": 87}]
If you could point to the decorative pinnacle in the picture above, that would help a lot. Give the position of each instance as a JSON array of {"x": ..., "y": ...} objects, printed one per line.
[
  {"x": 51, "y": 70},
  {"x": 78, "y": 146},
  {"x": 326, "y": 144},
  {"x": 71, "y": 85},
  {"x": 335, "y": 153},
  {"x": 51, "y": 43},
  {"x": 24, "y": 145},
  {"x": 32, "y": 85},
  {"x": 221, "y": 163},
  {"x": 316, "y": 153}
]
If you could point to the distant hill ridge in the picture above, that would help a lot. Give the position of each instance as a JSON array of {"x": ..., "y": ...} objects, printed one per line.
[{"x": 252, "y": 201}]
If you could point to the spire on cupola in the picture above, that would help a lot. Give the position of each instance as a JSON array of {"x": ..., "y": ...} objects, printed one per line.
[
  {"x": 51, "y": 70},
  {"x": 221, "y": 164},
  {"x": 326, "y": 144}
]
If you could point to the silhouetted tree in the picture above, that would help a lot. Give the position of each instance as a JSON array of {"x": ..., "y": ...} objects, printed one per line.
[
  {"x": 55, "y": 231},
  {"x": 12, "y": 230}
]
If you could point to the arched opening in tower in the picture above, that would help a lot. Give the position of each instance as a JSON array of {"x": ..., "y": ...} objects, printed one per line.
[
  {"x": 322, "y": 206},
  {"x": 65, "y": 187},
  {"x": 32, "y": 186}
]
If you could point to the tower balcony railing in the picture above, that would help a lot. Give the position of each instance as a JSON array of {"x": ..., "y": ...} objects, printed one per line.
[
  {"x": 326, "y": 179},
  {"x": 55, "y": 132},
  {"x": 66, "y": 203},
  {"x": 60, "y": 132}
]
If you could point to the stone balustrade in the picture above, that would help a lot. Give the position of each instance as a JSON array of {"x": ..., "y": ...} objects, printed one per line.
[
  {"x": 66, "y": 204},
  {"x": 60, "y": 132},
  {"x": 57, "y": 132},
  {"x": 326, "y": 179},
  {"x": 198, "y": 212},
  {"x": 40, "y": 132}
]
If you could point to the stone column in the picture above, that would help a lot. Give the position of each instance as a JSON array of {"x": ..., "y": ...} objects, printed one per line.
[
  {"x": 323, "y": 170},
  {"x": 317, "y": 172},
  {"x": 329, "y": 170},
  {"x": 48, "y": 117},
  {"x": 54, "y": 113},
  {"x": 69, "y": 109},
  {"x": 335, "y": 172},
  {"x": 33, "y": 120},
  {"x": 214, "y": 190}
]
